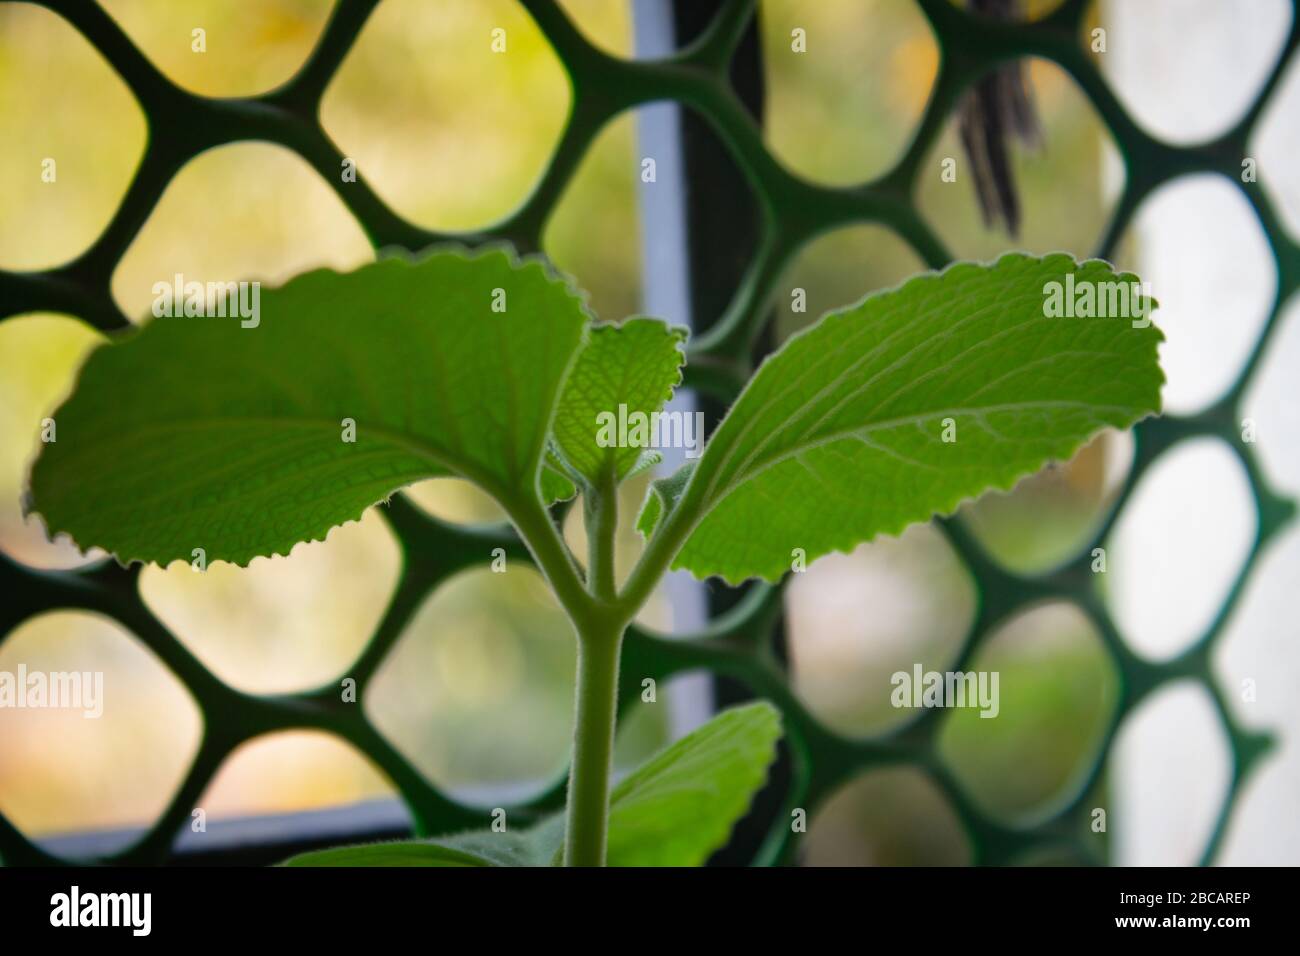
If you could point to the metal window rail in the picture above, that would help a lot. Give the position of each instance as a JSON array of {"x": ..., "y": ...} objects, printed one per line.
[{"x": 737, "y": 644}]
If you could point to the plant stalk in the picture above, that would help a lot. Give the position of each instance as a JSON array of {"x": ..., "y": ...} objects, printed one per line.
[
  {"x": 602, "y": 529},
  {"x": 587, "y": 814}
]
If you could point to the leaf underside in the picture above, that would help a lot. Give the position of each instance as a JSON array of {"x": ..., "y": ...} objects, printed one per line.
[
  {"x": 839, "y": 437},
  {"x": 197, "y": 433}
]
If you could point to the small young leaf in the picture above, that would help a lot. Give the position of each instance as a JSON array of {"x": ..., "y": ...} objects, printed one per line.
[
  {"x": 680, "y": 806},
  {"x": 198, "y": 433},
  {"x": 661, "y": 497},
  {"x": 555, "y": 484},
  {"x": 903, "y": 406},
  {"x": 636, "y": 364},
  {"x": 644, "y": 463}
]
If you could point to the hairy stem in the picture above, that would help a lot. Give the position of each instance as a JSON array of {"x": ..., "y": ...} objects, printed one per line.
[
  {"x": 587, "y": 815},
  {"x": 552, "y": 556},
  {"x": 600, "y": 621},
  {"x": 601, "y": 506},
  {"x": 600, "y": 637},
  {"x": 600, "y": 616},
  {"x": 660, "y": 551}
]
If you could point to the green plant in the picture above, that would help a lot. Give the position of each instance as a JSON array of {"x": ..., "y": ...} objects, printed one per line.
[{"x": 208, "y": 439}]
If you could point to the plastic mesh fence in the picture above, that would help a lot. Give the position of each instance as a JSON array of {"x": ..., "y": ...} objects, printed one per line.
[{"x": 737, "y": 644}]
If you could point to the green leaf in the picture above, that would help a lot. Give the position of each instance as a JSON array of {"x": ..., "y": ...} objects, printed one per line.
[
  {"x": 680, "y": 806},
  {"x": 555, "y": 484},
  {"x": 407, "y": 853},
  {"x": 535, "y": 846},
  {"x": 839, "y": 437},
  {"x": 647, "y": 461},
  {"x": 198, "y": 433},
  {"x": 661, "y": 498},
  {"x": 636, "y": 364},
  {"x": 673, "y": 810}
]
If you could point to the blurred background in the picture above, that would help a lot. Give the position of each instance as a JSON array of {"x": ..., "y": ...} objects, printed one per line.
[{"x": 477, "y": 693}]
